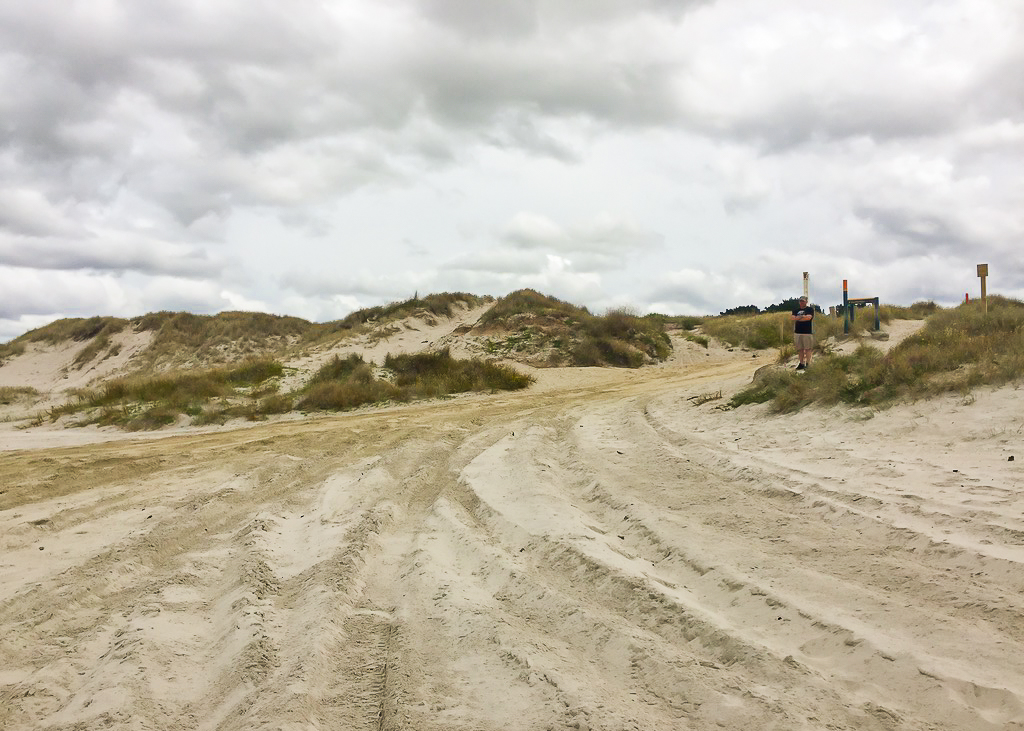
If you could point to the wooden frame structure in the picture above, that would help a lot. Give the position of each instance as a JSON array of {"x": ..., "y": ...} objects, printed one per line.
[{"x": 848, "y": 305}]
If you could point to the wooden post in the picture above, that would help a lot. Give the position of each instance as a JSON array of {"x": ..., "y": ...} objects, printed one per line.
[
  {"x": 846, "y": 310},
  {"x": 806, "y": 288},
  {"x": 983, "y": 274}
]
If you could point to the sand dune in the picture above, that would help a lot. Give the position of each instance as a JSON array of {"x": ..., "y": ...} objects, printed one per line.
[{"x": 593, "y": 553}]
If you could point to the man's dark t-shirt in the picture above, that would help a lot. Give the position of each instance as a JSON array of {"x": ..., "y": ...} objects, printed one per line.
[{"x": 803, "y": 326}]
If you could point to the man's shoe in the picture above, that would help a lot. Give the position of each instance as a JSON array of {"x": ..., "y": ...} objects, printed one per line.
[{"x": 801, "y": 367}]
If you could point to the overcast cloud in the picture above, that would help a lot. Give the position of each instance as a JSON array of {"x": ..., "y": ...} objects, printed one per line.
[{"x": 681, "y": 156}]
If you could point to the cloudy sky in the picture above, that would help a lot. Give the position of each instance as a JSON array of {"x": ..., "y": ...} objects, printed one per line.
[{"x": 683, "y": 156}]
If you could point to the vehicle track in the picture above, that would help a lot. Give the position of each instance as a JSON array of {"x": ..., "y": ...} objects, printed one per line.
[{"x": 592, "y": 555}]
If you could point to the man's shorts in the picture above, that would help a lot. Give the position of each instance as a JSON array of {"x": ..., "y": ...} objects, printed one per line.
[{"x": 803, "y": 341}]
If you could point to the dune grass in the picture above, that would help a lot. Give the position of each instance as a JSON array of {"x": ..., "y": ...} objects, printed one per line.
[
  {"x": 956, "y": 350},
  {"x": 775, "y": 329},
  {"x": 13, "y": 394},
  {"x": 11, "y": 350},
  {"x": 618, "y": 338},
  {"x": 438, "y": 305},
  {"x": 149, "y": 402},
  {"x": 220, "y": 338},
  {"x": 74, "y": 328},
  {"x": 347, "y": 383}
]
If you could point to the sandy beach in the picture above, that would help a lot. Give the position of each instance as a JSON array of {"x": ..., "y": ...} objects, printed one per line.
[{"x": 595, "y": 552}]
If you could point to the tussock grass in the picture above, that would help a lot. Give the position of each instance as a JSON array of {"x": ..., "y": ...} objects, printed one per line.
[
  {"x": 14, "y": 394},
  {"x": 75, "y": 328},
  {"x": 531, "y": 302},
  {"x": 619, "y": 338},
  {"x": 207, "y": 338},
  {"x": 11, "y": 350},
  {"x": 97, "y": 330},
  {"x": 347, "y": 383},
  {"x": 768, "y": 330},
  {"x": 775, "y": 329},
  {"x": 149, "y": 402},
  {"x": 956, "y": 350},
  {"x": 439, "y": 374},
  {"x": 439, "y": 305},
  {"x": 681, "y": 322}
]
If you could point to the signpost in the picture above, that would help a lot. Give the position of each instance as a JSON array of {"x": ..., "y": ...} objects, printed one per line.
[{"x": 983, "y": 274}]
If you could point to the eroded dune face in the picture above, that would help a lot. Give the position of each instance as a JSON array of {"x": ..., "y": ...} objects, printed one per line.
[{"x": 593, "y": 553}]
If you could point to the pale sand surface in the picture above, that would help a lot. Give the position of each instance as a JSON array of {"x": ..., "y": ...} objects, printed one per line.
[{"x": 596, "y": 552}]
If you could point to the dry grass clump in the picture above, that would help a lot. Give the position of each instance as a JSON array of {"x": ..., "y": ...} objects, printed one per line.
[
  {"x": 956, "y": 350},
  {"x": 13, "y": 394},
  {"x": 205, "y": 338},
  {"x": 11, "y": 350},
  {"x": 680, "y": 322},
  {"x": 346, "y": 383},
  {"x": 75, "y": 328},
  {"x": 438, "y": 305},
  {"x": 766, "y": 330},
  {"x": 529, "y": 301},
  {"x": 775, "y": 329},
  {"x": 97, "y": 330},
  {"x": 536, "y": 321},
  {"x": 138, "y": 402},
  {"x": 439, "y": 374}
]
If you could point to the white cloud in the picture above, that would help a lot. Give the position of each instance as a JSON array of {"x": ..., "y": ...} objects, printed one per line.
[
  {"x": 317, "y": 156},
  {"x": 606, "y": 234}
]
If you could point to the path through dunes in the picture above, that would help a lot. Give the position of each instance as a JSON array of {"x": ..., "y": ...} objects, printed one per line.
[{"x": 593, "y": 553}]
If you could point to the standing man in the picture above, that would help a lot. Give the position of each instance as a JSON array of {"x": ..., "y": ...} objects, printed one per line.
[{"x": 803, "y": 332}]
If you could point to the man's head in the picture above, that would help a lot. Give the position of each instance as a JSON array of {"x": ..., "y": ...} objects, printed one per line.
[{"x": 803, "y": 300}]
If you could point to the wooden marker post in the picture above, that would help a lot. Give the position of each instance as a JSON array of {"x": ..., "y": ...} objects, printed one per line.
[
  {"x": 983, "y": 274},
  {"x": 846, "y": 310},
  {"x": 807, "y": 292}
]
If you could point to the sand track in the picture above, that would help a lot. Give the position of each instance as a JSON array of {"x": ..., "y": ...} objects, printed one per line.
[{"x": 594, "y": 553}]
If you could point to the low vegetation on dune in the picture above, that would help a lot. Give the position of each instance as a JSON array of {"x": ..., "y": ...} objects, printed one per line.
[
  {"x": 956, "y": 350},
  {"x": 774, "y": 329},
  {"x": 215, "y": 339},
  {"x": 150, "y": 402},
  {"x": 437, "y": 305},
  {"x": 558, "y": 333},
  {"x": 77, "y": 329},
  {"x": 346, "y": 383},
  {"x": 96, "y": 332},
  {"x": 184, "y": 340},
  {"x": 15, "y": 394},
  {"x": 251, "y": 390}
]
